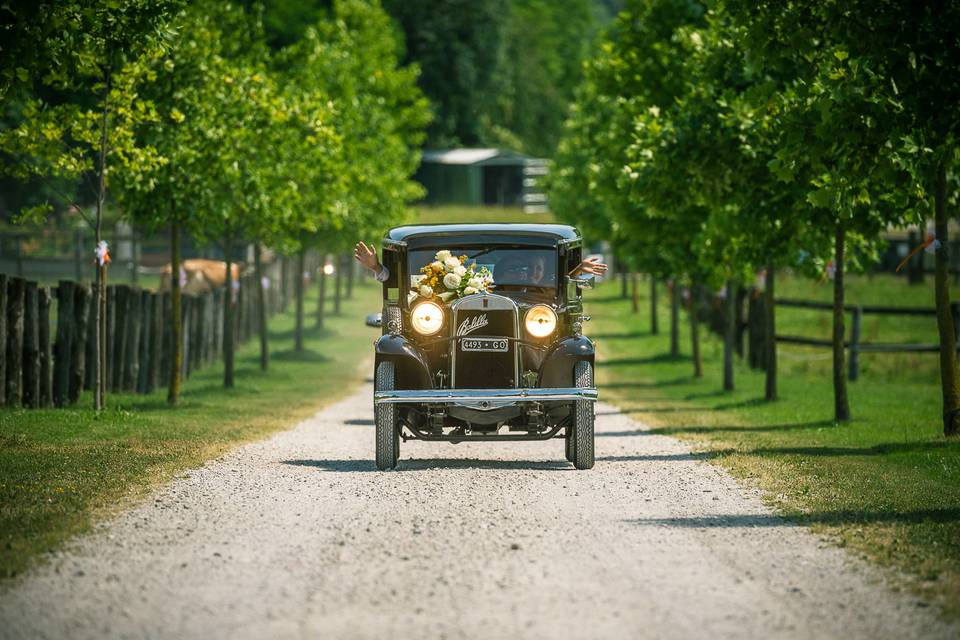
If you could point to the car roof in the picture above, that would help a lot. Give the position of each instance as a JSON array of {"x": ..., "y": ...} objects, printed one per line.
[{"x": 511, "y": 232}]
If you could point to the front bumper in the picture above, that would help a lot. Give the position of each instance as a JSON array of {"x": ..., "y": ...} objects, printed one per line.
[{"x": 484, "y": 398}]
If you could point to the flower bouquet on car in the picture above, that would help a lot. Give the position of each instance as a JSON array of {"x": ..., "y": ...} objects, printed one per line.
[{"x": 449, "y": 277}]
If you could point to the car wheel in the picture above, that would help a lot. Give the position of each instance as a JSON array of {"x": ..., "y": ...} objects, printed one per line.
[
  {"x": 583, "y": 418},
  {"x": 385, "y": 417}
]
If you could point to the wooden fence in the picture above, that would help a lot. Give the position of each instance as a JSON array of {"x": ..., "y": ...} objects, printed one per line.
[
  {"x": 751, "y": 327},
  {"x": 47, "y": 360}
]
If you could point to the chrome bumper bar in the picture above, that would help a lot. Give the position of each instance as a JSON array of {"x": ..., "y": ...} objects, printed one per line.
[{"x": 473, "y": 397}]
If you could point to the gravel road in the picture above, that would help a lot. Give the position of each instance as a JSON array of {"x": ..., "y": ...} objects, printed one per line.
[{"x": 299, "y": 536}]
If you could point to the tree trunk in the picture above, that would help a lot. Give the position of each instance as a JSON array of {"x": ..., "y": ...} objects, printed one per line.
[
  {"x": 176, "y": 317},
  {"x": 321, "y": 290},
  {"x": 100, "y": 336},
  {"x": 841, "y": 403},
  {"x": 770, "y": 334},
  {"x": 338, "y": 284},
  {"x": 729, "y": 334},
  {"x": 654, "y": 328},
  {"x": 634, "y": 296},
  {"x": 349, "y": 269},
  {"x": 261, "y": 308},
  {"x": 675, "y": 320},
  {"x": 949, "y": 378},
  {"x": 298, "y": 292},
  {"x": 695, "y": 332},
  {"x": 228, "y": 313}
]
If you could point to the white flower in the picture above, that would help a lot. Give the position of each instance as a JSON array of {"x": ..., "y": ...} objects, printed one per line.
[
  {"x": 460, "y": 270},
  {"x": 469, "y": 291},
  {"x": 436, "y": 265},
  {"x": 451, "y": 263},
  {"x": 426, "y": 291},
  {"x": 451, "y": 281},
  {"x": 443, "y": 255},
  {"x": 475, "y": 282}
]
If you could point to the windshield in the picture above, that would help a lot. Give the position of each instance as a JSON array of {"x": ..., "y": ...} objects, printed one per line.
[{"x": 510, "y": 266}]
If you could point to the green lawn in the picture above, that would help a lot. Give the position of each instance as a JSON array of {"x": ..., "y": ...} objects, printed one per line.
[
  {"x": 60, "y": 470},
  {"x": 886, "y": 485}
]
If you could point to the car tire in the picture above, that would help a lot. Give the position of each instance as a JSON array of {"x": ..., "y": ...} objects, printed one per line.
[
  {"x": 583, "y": 418},
  {"x": 385, "y": 418}
]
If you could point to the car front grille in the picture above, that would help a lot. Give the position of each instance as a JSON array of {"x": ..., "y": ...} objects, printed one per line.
[{"x": 484, "y": 321}]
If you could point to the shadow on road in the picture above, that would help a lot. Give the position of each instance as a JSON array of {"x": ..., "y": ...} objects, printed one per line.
[
  {"x": 665, "y": 457},
  {"x": 826, "y": 517},
  {"x": 352, "y": 466},
  {"x": 660, "y": 357},
  {"x": 367, "y": 422}
]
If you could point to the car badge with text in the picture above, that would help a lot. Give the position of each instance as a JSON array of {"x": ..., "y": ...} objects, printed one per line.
[{"x": 472, "y": 324}]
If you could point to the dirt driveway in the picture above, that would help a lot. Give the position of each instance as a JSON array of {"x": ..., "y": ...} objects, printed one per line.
[{"x": 298, "y": 536}]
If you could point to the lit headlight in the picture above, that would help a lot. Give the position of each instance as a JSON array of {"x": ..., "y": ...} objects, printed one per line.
[
  {"x": 540, "y": 321},
  {"x": 427, "y": 318}
]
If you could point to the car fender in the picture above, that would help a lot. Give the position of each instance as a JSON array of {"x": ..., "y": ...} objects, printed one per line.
[
  {"x": 412, "y": 369},
  {"x": 562, "y": 357}
]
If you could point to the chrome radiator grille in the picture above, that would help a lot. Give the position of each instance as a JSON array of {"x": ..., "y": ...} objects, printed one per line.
[{"x": 484, "y": 351}]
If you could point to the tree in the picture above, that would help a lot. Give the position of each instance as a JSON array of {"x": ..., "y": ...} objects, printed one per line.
[
  {"x": 96, "y": 50},
  {"x": 379, "y": 116}
]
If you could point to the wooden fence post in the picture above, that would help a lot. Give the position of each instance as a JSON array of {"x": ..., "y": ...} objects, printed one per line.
[
  {"x": 146, "y": 337},
  {"x": 756, "y": 331},
  {"x": 654, "y": 326},
  {"x": 955, "y": 313},
  {"x": 62, "y": 349},
  {"x": 854, "y": 367},
  {"x": 186, "y": 304},
  {"x": 218, "y": 322},
  {"x": 119, "y": 361},
  {"x": 43, "y": 334},
  {"x": 110, "y": 345},
  {"x": 3, "y": 338},
  {"x": 198, "y": 328},
  {"x": 31, "y": 347},
  {"x": 78, "y": 347},
  {"x": 131, "y": 370},
  {"x": 16, "y": 290},
  {"x": 162, "y": 339}
]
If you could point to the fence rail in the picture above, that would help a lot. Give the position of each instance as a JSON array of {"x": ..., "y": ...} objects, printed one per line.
[{"x": 754, "y": 326}]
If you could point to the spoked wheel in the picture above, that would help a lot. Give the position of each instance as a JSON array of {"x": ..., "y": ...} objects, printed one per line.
[
  {"x": 385, "y": 417},
  {"x": 582, "y": 435}
]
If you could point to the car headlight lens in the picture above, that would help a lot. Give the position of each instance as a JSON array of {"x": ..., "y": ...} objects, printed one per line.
[
  {"x": 541, "y": 321},
  {"x": 427, "y": 318}
]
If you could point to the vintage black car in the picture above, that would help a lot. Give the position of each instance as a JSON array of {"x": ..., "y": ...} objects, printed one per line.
[{"x": 509, "y": 364}]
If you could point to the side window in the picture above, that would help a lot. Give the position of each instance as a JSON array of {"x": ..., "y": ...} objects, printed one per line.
[
  {"x": 391, "y": 288},
  {"x": 572, "y": 262}
]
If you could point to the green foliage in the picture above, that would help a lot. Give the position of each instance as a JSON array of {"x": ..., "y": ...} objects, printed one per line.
[{"x": 498, "y": 73}]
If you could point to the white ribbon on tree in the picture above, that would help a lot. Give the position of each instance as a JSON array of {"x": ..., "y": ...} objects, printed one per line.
[{"x": 103, "y": 253}]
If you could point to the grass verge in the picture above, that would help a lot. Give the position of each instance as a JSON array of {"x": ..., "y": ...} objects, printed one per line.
[
  {"x": 886, "y": 485},
  {"x": 61, "y": 470}
]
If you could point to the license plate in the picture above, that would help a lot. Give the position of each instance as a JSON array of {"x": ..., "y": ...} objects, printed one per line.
[{"x": 483, "y": 344}]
